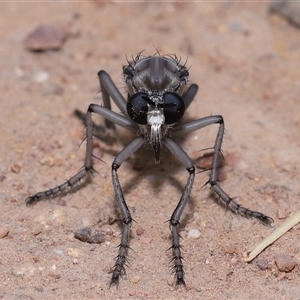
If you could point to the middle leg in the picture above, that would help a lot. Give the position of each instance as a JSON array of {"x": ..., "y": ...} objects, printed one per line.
[{"x": 213, "y": 177}]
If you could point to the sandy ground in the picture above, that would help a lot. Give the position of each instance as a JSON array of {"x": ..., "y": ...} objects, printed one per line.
[{"x": 247, "y": 65}]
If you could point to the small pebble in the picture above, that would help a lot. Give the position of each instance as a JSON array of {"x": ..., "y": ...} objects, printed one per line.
[
  {"x": 89, "y": 235},
  {"x": 37, "y": 230},
  {"x": 140, "y": 230},
  {"x": 23, "y": 269},
  {"x": 171, "y": 280},
  {"x": 36, "y": 258},
  {"x": 134, "y": 279},
  {"x": 73, "y": 252},
  {"x": 132, "y": 293},
  {"x": 48, "y": 161},
  {"x": 262, "y": 263},
  {"x": 16, "y": 168},
  {"x": 59, "y": 216},
  {"x": 285, "y": 262},
  {"x": 41, "y": 76},
  {"x": 193, "y": 233},
  {"x": 3, "y": 232},
  {"x": 205, "y": 161},
  {"x": 230, "y": 249},
  {"x": 46, "y": 37},
  {"x": 58, "y": 252}
]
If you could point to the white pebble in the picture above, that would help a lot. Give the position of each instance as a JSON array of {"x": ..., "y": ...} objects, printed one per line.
[
  {"x": 58, "y": 251},
  {"x": 41, "y": 76},
  {"x": 24, "y": 269},
  {"x": 193, "y": 233}
]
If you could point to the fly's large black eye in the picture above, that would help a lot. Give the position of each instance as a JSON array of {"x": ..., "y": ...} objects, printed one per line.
[
  {"x": 137, "y": 108},
  {"x": 174, "y": 107}
]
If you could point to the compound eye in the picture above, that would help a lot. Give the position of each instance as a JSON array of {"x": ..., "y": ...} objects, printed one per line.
[
  {"x": 137, "y": 108},
  {"x": 174, "y": 107}
]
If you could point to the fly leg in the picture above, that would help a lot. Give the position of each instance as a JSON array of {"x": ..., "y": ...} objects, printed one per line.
[
  {"x": 88, "y": 163},
  {"x": 126, "y": 216},
  {"x": 175, "y": 218},
  {"x": 213, "y": 178}
]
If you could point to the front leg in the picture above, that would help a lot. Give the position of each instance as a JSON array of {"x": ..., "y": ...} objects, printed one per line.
[
  {"x": 174, "y": 222},
  {"x": 126, "y": 216},
  {"x": 175, "y": 218},
  {"x": 127, "y": 221}
]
